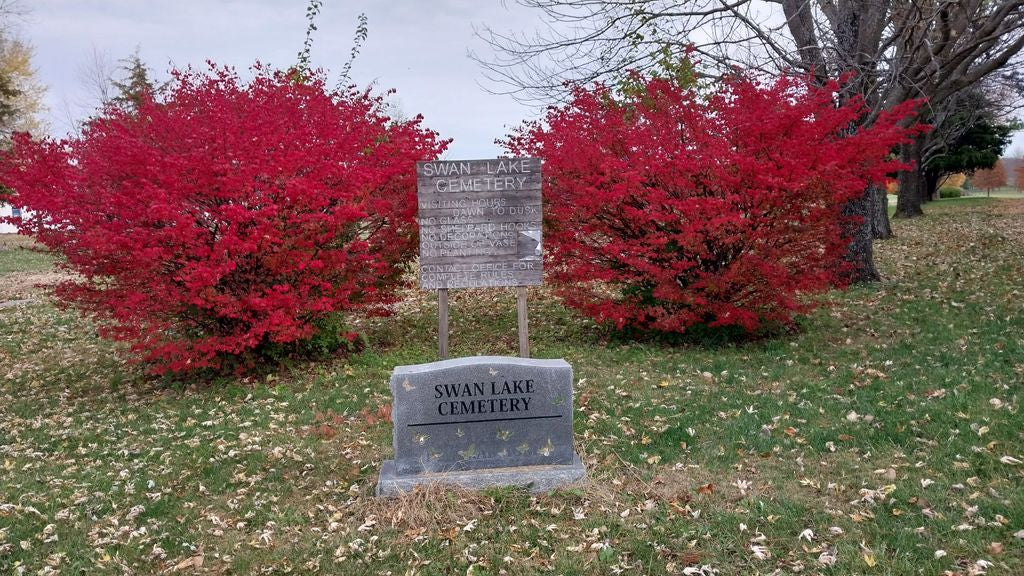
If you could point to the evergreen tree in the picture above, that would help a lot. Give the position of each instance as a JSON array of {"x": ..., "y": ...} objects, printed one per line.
[
  {"x": 979, "y": 147},
  {"x": 135, "y": 83}
]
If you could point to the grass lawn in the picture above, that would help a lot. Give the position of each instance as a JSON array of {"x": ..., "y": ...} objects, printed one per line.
[
  {"x": 1005, "y": 192},
  {"x": 16, "y": 257},
  {"x": 884, "y": 437}
]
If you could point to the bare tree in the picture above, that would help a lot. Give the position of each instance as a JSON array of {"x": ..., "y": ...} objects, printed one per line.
[
  {"x": 593, "y": 40},
  {"x": 947, "y": 47},
  {"x": 897, "y": 50},
  {"x": 11, "y": 13},
  {"x": 97, "y": 75}
]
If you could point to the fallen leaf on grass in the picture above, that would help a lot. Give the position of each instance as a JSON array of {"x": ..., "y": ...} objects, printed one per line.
[
  {"x": 888, "y": 473},
  {"x": 979, "y": 567},
  {"x": 703, "y": 570},
  {"x": 742, "y": 485},
  {"x": 690, "y": 558},
  {"x": 868, "y": 555},
  {"x": 828, "y": 557},
  {"x": 193, "y": 562}
]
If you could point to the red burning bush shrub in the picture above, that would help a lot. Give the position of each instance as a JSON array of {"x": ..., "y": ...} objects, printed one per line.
[
  {"x": 229, "y": 216},
  {"x": 667, "y": 209}
]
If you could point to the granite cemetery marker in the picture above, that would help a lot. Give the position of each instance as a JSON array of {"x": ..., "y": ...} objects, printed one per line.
[{"x": 482, "y": 421}]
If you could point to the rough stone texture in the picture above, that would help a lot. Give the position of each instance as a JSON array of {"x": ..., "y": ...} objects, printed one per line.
[
  {"x": 482, "y": 421},
  {"x": 537, "y": 478}
]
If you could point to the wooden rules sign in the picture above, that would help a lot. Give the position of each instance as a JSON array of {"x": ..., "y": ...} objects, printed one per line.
[{"x": 480, "y": 223}]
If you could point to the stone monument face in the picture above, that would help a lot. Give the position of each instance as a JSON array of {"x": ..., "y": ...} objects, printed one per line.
[{"x": 482, "y": 421}]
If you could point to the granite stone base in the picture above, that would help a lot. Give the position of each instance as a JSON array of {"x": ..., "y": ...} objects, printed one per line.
[{"x": 537, "y": 478}]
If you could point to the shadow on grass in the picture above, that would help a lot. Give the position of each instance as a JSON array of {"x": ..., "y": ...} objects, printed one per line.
[{"x": 705, "y": 336}]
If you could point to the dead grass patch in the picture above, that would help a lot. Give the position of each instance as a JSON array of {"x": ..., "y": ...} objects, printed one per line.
[
  {"x": 430, "y": 508},
  {"x": 30, "y": 285}
]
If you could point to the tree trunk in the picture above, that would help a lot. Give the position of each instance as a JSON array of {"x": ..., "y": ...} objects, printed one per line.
[
  {"x": 931, "y": 186},
  {"x": 859, "y": 253},
  {"x": 908, "y": 203},
  {"x": 880, "y": 228}
]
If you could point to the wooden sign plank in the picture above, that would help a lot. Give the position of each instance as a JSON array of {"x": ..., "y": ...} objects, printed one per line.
[
  {"x": 480, "y": 222},
  {"x": 486, "y": 167},
  {"x": 509, "y": 207},
  {"x": 478, "y": 184},
  {"x": 531, "y": 213}
]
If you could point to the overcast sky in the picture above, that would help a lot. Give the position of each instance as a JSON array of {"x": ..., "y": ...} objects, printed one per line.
[{"x": 416, "y": 47}]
